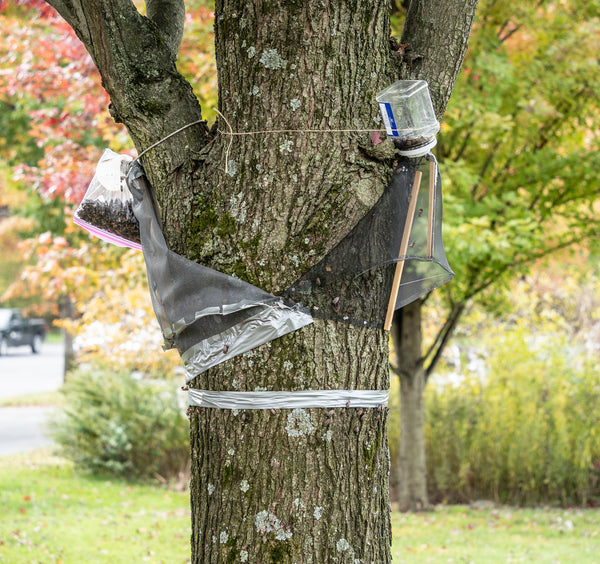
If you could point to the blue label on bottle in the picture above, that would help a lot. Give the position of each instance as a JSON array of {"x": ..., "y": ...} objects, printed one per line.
[{"x": 388, "y": 119}]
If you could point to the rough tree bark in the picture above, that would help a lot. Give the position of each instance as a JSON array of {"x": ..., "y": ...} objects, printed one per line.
[
  {"x": 435, "y": 38},
  {"x": 287, "y": 485}
]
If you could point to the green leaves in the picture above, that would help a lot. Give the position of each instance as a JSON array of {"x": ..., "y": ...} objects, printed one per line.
[
  {"x": 119, "y": 426},
  {"x": 518, "y": 148}
]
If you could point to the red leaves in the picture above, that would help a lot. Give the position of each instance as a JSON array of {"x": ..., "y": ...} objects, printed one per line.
[
  {"x": 45, "y": 66},
  {"x": 65, "y": 171}
]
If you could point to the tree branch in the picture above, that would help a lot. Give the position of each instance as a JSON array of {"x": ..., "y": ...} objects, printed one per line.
[
  {"x": 135, "y": 56},
  {"x": 72, "y": 12},
  {"x": 100, "y": 24},
  {"x": 443, "y": 337},
  {"x": 502, "y": 37},
  {"x": 429, "y": 25},
  {"x": 169, "y": 17},
  {"x": 435, "y": 36},
  {"x": 496, "y": 273},
  {"x": 447, "y": 330}
]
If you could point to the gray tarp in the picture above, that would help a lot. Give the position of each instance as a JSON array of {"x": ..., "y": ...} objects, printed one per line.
[
  {"x": 211, "y": 317},
  {"x": 207, "y": 315}
]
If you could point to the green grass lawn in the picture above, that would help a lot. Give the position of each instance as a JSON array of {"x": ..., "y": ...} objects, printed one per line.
[
  {"x": 495, "y": 535},
  {"x": 51, "y": 514}
]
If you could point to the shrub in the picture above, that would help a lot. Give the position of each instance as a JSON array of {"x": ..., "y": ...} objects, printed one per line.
[
  {"x": 526, "y": 434},
  {"x": 116, "y": 425}
]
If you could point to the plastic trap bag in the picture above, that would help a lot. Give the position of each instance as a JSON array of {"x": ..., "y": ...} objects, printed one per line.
[
  {"x": 106, "y": 210},
  {"x": 208, "y": 316},
  {"x": 400, "y": 238}
]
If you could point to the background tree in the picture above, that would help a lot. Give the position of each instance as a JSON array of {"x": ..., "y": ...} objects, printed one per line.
[
  {"x": 519, "y": 155},
  {"x": 280, "y": 486}
]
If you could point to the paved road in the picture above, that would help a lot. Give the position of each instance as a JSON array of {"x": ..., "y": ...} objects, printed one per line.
[
  {"x": 22, "y": 373},
  {"x": 23, "y": 429}
]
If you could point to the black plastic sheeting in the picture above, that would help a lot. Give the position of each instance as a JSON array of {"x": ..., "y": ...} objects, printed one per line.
[
  {"x": 207, "y": 315},
  {"x": 337, "y": 287}
]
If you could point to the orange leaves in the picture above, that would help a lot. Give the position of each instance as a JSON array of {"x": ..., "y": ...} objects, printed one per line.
[
  {"x": 58, "y": 270},
  {"x": 46, "y": 64},
  {"x": 113, "y": 322},
  {"x": 39, "y": 7},
  {"x": 117, "y": 326},
  {"x": 12, "y": 261},
  {"x": 196, "y": 60},
  {"x": 46, "y": 73},
  {"x": 10, "y": 228}
]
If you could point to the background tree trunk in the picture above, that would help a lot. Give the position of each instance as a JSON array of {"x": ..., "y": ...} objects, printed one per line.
[
  {"x": 412, "y": 475},
  {"x": 435, "y": 38},
  {"x": 66, "y": 311}
]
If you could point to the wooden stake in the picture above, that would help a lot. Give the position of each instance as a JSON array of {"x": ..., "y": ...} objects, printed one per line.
[
  {"x": 432, "y": 179},
  {"x": 403, "y": 248}
]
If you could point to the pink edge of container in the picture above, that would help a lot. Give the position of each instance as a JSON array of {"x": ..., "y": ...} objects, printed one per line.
[{"x": 107, "y": 235}]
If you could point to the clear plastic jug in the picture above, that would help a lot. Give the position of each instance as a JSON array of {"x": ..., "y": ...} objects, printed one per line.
[{"x": 409, "y": 117}]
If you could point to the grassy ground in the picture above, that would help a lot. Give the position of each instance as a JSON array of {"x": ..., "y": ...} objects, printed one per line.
[
  {"x": 54, "y": 336},
  {"x": 51, "y": 514},
  {"x": 497, "y": 535},
  {"x": 54, "y": 399}
]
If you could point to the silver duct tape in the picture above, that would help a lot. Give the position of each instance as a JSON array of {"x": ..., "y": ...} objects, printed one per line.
[
  {"x": 288, "y": 400},
  {"x": 181, "y": 325},
  {"x": 269, "y": 324}
]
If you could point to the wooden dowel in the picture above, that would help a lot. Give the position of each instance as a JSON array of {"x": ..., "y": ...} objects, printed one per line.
[
  {"x": 432, "y": 180},
  {"x": 403, "y": 248}
]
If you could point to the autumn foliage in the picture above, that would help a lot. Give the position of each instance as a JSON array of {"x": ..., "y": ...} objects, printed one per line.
[
  {"x": 49, "y": 81},
  {"x": 45, "y": 68}
]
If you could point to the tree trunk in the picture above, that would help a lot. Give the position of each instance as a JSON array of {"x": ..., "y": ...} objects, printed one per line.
[
  {"x": 406, "y": 333},
  {"x": 435, "y": 39},
  {"x": 66, "y": 311},
  {"x": 301, "y": 485}
]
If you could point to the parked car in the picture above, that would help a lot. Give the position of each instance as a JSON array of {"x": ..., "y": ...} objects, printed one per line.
[{"x": 17, "y": 331}]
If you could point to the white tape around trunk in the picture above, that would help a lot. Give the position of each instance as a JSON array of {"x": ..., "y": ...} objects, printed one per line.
[{"x": 288, "y": 400}]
